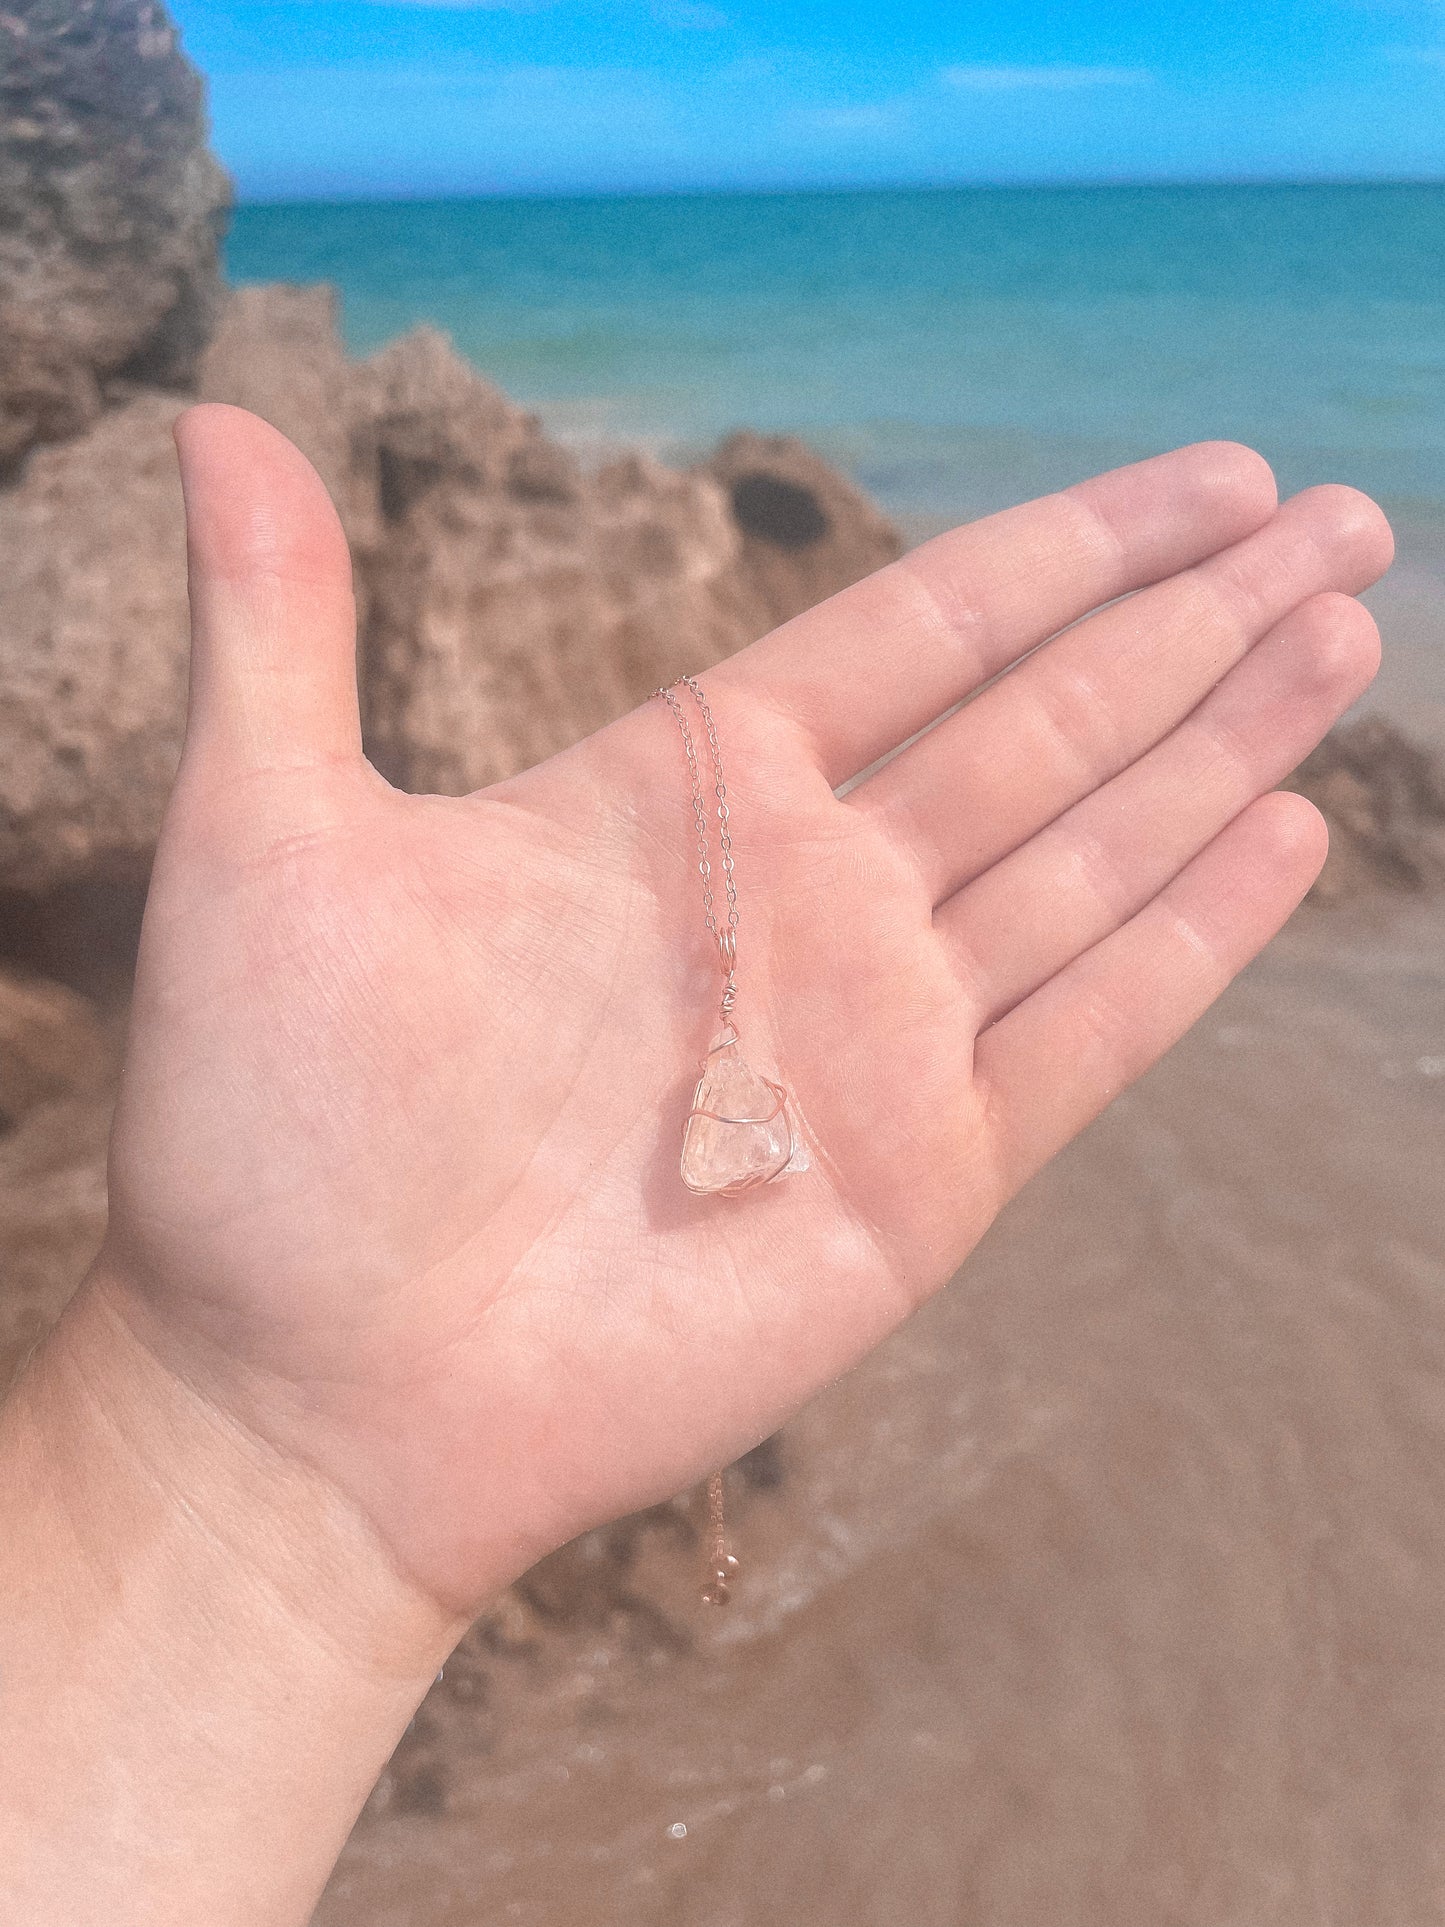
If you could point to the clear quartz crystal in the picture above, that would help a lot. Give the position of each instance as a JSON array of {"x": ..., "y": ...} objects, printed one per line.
[{"x": 740, "y": 1132}]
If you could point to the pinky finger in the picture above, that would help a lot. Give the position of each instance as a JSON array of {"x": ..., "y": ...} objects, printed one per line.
[{"x": 1054, "y": 1062}]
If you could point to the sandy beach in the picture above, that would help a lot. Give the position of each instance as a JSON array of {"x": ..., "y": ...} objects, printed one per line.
[{"x": 1105, "y": 1593}]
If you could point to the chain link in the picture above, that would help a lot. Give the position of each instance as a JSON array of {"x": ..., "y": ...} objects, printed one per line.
[{"x": 724, "y": 935}]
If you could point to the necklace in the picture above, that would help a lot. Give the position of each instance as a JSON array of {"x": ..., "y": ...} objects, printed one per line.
[{"x": 739, "y": 1133}]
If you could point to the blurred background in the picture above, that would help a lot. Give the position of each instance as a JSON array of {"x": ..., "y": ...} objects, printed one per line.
[{"x": 1107, "y": 1593}]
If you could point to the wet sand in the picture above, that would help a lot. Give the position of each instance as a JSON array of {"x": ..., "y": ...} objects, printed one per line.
[{"x": 1107, "y": 1594}]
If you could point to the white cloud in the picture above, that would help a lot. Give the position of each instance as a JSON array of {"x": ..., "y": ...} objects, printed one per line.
[{"x": 1007, "y": 80}]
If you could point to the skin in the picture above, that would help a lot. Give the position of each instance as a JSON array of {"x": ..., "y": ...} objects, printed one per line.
[{"x": 401, "y": 1289}]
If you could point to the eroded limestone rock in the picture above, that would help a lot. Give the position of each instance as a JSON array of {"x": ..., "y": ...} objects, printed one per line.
[
  {"x": 52, "y": 1043},
  {"x": 93, "y": 650},
  {"x": 514, "y": 602},
  {"x": 111, "y": 208},
  {"x": 1383, "y": 797}
]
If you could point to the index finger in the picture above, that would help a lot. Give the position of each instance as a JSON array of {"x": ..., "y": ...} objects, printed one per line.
[{"x": 870, "y": 667}]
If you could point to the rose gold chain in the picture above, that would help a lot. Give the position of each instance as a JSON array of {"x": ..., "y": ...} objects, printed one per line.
[
  {"x": 723, "y": 1564},
  {"x": 725, "y": 937}
]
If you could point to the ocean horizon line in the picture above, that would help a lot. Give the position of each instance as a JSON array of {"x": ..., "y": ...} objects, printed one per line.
[{"x": 873, "y": 190}]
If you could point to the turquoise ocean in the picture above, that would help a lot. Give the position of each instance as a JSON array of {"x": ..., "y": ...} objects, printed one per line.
[{"x": 955, "y": 349}]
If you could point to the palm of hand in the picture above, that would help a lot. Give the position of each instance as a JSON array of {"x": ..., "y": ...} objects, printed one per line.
[
  {"x": 471, "y": 1297},
  {"x": 397, "y": 1148}
]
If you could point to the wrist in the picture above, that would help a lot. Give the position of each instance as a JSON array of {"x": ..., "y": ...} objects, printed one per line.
[{"x": 206, "y": 1643}]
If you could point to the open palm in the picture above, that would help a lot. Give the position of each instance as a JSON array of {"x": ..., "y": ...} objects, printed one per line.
[{"x": 395, "y": 1170}]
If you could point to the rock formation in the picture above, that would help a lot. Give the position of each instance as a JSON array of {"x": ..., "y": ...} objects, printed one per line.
[
  {"x": 52, "y": 1043},
  {"x": 1384, "y": 799},
  {"x": 110, "y": 213},
  {"x": 509, "y": 601},
  {"x": 93, "y": 648},
  {"x": 57, "y": 1071},
  {"x": 514, "y": 602}
]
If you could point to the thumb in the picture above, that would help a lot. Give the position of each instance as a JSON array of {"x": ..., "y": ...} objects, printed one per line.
[{"x": 273, "y": 625}]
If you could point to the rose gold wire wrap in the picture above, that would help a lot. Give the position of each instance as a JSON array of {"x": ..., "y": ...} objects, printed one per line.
[{"x": 780, "y": 1109}]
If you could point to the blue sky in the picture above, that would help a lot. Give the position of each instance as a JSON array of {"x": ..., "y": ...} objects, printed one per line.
[{"x": 321, "y": 98}]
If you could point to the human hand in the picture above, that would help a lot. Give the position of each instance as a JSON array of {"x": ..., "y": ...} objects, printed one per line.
[{"x": 394, "y": 1177}]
